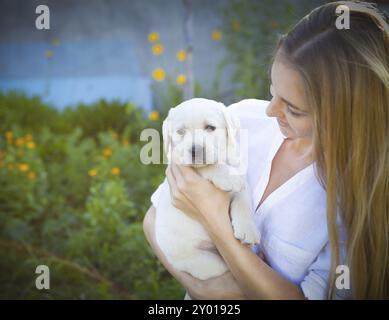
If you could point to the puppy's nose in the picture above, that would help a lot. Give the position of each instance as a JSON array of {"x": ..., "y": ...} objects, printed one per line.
[{"x": 196, "y": 150}]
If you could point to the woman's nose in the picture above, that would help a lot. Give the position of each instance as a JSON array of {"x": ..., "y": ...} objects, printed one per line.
[{"x": 275, "y": 108}]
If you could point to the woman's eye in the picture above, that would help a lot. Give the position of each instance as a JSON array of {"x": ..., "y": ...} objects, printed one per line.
[
  {"x": 210, "y": 128},
  {"x": 181, "y": 132},
  {"x": 294, "y": 114}
]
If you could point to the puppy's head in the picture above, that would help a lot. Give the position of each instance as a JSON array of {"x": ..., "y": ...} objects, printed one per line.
[{"x": 200, "y": 132}]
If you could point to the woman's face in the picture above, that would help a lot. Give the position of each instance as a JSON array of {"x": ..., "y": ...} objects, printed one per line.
[{"x": 288, "y": 104}]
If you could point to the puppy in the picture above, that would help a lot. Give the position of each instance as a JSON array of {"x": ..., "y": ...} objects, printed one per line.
[{"x": 200, "y": 133}]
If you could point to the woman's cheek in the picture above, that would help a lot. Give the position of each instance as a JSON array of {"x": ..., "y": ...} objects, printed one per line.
[
  {"x": 302, "y": 129},
  {"x": 307, "y": 130}
]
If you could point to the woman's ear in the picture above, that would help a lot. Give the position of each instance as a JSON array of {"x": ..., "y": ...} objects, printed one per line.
[{"x": 232, "y": 126}]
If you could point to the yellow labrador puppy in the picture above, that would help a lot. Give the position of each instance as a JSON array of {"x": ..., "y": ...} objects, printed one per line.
[{"x": 201, "y": 133}]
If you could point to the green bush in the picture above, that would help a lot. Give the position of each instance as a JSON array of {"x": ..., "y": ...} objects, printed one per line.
[
  {"x": 73, "y": 196},
  {"x": 250, "y": 32}
]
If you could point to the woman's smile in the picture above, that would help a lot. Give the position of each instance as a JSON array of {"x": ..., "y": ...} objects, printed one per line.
[{"x": 282, "y": 123}]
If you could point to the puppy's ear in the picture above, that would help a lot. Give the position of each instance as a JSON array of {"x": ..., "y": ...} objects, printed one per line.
[
  {"x": 167, "y": 134},
  {"x": 232, "y": 126}
]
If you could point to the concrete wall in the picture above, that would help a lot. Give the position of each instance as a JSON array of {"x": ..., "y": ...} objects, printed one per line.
[{"x": 103, "y": 50}]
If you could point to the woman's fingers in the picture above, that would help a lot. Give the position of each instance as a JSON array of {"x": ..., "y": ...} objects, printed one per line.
[
  {"x": 170, "y": 178},
  {"x": 187, "y": 173},
  {"x": 175, "y": 179},
  {"x": 262, "y": 256},
  {"x": 177, "y": 175}
]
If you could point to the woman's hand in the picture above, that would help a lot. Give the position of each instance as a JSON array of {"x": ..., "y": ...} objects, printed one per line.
[
  {"x": 223, "y": 287},
  {"x": 198, "y": 197}
]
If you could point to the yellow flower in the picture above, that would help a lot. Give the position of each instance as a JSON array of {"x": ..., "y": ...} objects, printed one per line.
[
  {"x": 236, "y": 25},
  {"x": 49, "y": 54},
  {"x": 28, "y": 137},
  {"x": 19, "y": 141},
  {"x": 32, "y": 175},
  {"x": 9, "y": 135},
  {"x": 115, "y": 171},
  {"x": 107, "y": 152},
  {"x": 30, "y": 145},
  {"x": 159, "y": 74},
  {"x": 181, "y": 79},
  {"x": 181, "y": 55},
  {"x": 153, "y": 36},
  {"x": 125, "y": 142},
  {"x": 92, "y": 172},
  {"x": 154, "y": 115},
  {"x": 23, "y": 167},
  {"x": 216, "y": 35},
  {"x": 157, "y": 49}
]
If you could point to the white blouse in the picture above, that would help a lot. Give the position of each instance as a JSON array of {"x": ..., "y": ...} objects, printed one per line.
[{"x": 292, "y": 219}]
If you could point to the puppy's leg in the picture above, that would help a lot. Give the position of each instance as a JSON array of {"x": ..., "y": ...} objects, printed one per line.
[
  {"x": 241, "y": 218},
  {"x": 227, "y": 181}
]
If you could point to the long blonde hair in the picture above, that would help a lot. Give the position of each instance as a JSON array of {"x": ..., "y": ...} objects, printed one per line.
[{"x": 346, "y": 78}]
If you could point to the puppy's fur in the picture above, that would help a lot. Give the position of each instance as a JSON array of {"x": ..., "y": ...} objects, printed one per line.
[{"x": 201, "y": 133}]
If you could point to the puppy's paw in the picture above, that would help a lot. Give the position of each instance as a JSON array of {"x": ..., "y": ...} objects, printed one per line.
[
  {"x": 245, "y": 231},
  {"x": 222, "y": 183},
  {"x": 230, "y": 183},
  {"x": 237, "y": 182}
]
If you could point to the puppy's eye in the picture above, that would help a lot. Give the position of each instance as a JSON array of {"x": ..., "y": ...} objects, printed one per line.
[
  {"x": 210, "y": 128},
  {"x": 181, "y": 132}
]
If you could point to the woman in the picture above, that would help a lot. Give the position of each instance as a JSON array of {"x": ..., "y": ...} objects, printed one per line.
[{"x": 330, "y": 90}]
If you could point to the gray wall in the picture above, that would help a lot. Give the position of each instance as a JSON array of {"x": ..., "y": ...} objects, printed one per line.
[{"x": 103, "y": 39}]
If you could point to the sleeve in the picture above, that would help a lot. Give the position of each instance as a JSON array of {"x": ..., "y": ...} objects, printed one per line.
[
  {"x": 155, "y": 196},
  {"x": 314, "y": 285}
]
